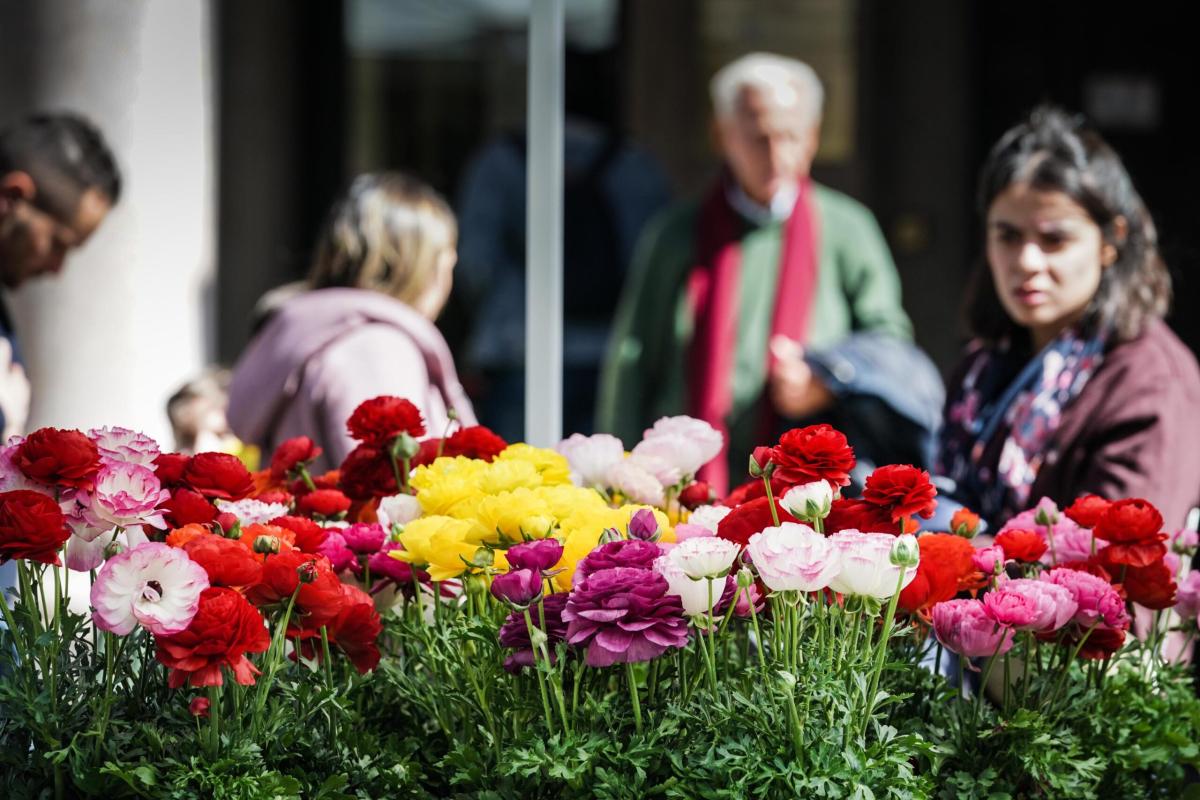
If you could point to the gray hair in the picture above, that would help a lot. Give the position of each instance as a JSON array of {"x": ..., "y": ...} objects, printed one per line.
[{"x": 787, "y": 79}]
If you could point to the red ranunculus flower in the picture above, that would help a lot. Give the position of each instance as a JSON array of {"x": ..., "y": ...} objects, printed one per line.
[
  {"x": 1151, "y": 586},
  {"x": 319, "y": 601},
  {"x": 59, "y": 457},
  {"x": 748, "y": 519},
  {"x": 428, "y": 452},
  {"x": 964, "y": 522},
  {"x": 309, "y": 535},
  {"x": 903, "y": 490},
  {"x": 696, "y": 494},
  {"x": 474, "y": 442},
  {"x": 1134, "y": 554},
  {"x": 218, "y": 475},
  {"x": 1092, "y": 566},
  {"x": 1133, "y": 520},
  {"x": 367, "y": 473},
  {"x": 379, "y": 420},
  {"x": 188, "y": 506},
  {"x": 32, "y": 526},
  {"x": 1027, "y": 546},
  {"x": 815, "y": 453},
  {"x": 325, "y": 502},
  {"x": 290, "y": 454},
  {"x": 752, "y": 490},
  {"x": 169, "y": 468},
  {"x": 1101, "y": 642},
  {"x": 851, "y": 514},
  {"x": 224, "y": 629},
  {"x": 280, "y": 496},
  {"x": 227, "y": 561},
  {"x": 945, "y": 569},
  {"x": 355, "y": 632},
  {"x": 1087, "y": 510}
]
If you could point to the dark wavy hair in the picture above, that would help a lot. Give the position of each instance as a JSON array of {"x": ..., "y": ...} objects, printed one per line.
[{"x": 1054, "y": 151}]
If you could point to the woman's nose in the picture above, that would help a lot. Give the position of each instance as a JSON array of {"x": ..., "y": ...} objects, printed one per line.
[{"x": 1031, "y": 258}]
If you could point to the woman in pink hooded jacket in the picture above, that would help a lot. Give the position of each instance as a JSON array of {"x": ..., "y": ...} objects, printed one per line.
[{"x": 382, "y": 272}]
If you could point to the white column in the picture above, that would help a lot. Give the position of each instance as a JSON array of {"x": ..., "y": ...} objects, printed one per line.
[
  {"x": 544, "y": 227},
  {"x": 129, "y": 319}
]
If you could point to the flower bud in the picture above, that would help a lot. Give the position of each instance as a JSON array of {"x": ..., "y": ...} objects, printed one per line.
[
  {"x": 307, "y": 572},
  {"x": 538, "y": 637},
  {"x": 761, "y": 465},
  {"x": 644, "y": 525},
  {"x": 964, "y": 523},
  {"x": 231, "y": 531},
  {"x": 787, "y": 679},
  {"x": 745, "y": 578},
  {"x": 905, "y": 551},
  {"x": 199, "y": 707},
  {"x": 475, "y": 585},
  {"x": 483, "y": 558},
  {"x": 809, "y": 502},
  {"x": 113, "y": 548},
  {"x": 1045, "y": 515},
  {"x": 518, "y": 588},
  {"x": 266, "y": 545},
  {"x": 405, "y": 446},
  {"x": 610, "y": 535}
]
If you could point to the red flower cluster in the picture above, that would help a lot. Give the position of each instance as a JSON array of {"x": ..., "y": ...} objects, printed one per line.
[
  {"x": 224, "y": 629},
  {"x": 1136, "y": 551},
  {"x": 228, "y": 562},
  {"x": 324, "y": 502},
  {"x": 65, "y": 458},
  {"x": 750, "y": 518},
  {"x": 815, "y": 453},
  {"x": 367, "y": 473},
  {"x": 291, "y": 454},
  {"x": 381, "y": 419},
  {"x": 355, "y": 631},
  {"x": 196, "y": 481},
  {"x": 945, "y": 569},
  {"x": 31, "y": 527}
]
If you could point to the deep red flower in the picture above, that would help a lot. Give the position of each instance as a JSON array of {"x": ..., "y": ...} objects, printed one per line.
[
  {"x": 1022, "y": 545},
  {"x": 59, "y": 457},
  {"x": 169, "y": 468},
  {"x": 852, "y": 514},
  {"x": 696, "y": 494},
  {"x": 355, "y": 632},
  {"x": 32, "y": 527},
  {"x": 1151, "y": 586},
  {"x": 815, "y": 453},
  {"x": 903, "y": 490},
  {"x": 1135, "y": 554},
  {"x": 428, "y": 452},
  {"x": 292, "y": 453},
  {"x": 309, "y": 535},
  {"x": 227, "y": 561},
  {"x": 1101, "y": 643},
  {"x": 1132, "y": 520},
  {"x": 476, "y": 441},
  {"x": 1087, "y": 510},
  {"x": 325, "y": 502},
  {"x": 188, "y": 506},
  {"x": 280, "y": 496},
  {"x": 319, "y": 601},
  {"x": 224, "y": 629},
  {"x": 199, "y": 707},
  {"x": 753, "y": 489},
  {"x": 367, "y": 473},
  {"x": 748, "y": 519},
  {"x": 219, "y": 476},
  {"x": 379, "y": 420}
]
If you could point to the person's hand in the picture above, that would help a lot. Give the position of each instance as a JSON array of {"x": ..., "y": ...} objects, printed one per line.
[
  {"x": 14, "y": 392},
  {"x": 795, "y": 391}
]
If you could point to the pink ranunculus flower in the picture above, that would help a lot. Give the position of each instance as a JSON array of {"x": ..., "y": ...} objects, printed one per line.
[
  {"x": 636, "y": 483},
  {"x": 1184, "y": 541},
  {"x": 125, "y": 495},
  {"x": 865, "y": 568},
  {"x": 793, "y": 557},
  {"x": 704, "y": 556},
  {"x": 340, "y": 556},
  {"x": 252, "y": 512},
  {"x": 1098, "y": 601},
  {"x": 1187, "y": 597},
  {"x": 967, "y": 628},
  {"x": 152, "y": 585},
  {"x": 688, "y": 530},
  {"x": 1174, "y": 562},
  {"x": 687, "y": 442},
  {"x": 84, "y": 555},
  {"x": 591, "y": 457},
  {"x": 124, "y": 446},
  {"x": 985, "y": 559},
  {"x": 1055, "y": 604},
  {"x": 11, "y": 476},
  {"x": 364, "y": 537},
  {"x": 1011, "y": 609},
  {"x": 708, "y": 517}
]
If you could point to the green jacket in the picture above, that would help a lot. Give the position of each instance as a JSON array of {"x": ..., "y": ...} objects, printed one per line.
[{"x": 644, "y": 375}]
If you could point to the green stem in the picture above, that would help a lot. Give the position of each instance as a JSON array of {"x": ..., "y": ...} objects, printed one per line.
[
  {"x": 712, "y": 648},
  {"x": 771, "y": 501},
  {"x": 759, "y": 644},
  {"x": 881, "y": 651},
  {"x": 214, "y": 721},
  {"x": 633, "y": 696},
  {"x": 541, "y": 678}
]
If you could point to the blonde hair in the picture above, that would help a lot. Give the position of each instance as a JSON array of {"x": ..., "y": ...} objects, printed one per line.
[{"x": 385, "y": 234}]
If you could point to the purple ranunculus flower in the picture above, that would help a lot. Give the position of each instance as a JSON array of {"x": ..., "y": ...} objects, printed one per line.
[
  {"x": 624, "y": 614},
  {"x": 540, "y": 554},
  {"x": 515, "y": 634},
  {"x": 364, "y": 537},
  {"x": 519, "y": 587},
  {"x": 623, "y": 553},
  {"x": 643, "y": 525}
]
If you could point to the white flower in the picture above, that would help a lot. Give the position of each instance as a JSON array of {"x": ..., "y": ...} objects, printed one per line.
[
  {"x": 793, "y": 557},
  {"x": 253, "y": 512},
  {"x": 708, "y": 516},
  {"x": 865, "y": 565},
  {"x": 692, "y": 594},
  {"x": 704, "y": 556},
  {"x": 152, "y": 585},
  {"x": 637, "y": 484},
  {"x": 686, "y": 442},
  {"x": 591, "y": 457},
  {"x": 399, "y": 509},
  {"x": 666, "y": 472},
  {"x": 808, "y": 502}
]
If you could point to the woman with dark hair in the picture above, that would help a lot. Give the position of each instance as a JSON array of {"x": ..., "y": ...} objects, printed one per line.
[{"x": 1073, "y": 383}]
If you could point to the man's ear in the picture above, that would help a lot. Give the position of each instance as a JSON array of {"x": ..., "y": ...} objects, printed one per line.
[{"x": 14, "y": 186}]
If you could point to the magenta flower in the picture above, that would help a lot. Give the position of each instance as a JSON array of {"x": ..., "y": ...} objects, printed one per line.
[
  {"x": 364, "y": 537},
  {"x": 1099, "y": 603},
  {"x": 643, "y": 525},
  {"x": 986, "y": 558},
  {"x": 965, "y": 627},
  {"x": 514, "y": 632},
  {"x": 394, "y": 569},
  {"x": 518, "y": 588},
  {"x": 121, "y": 445},
  {"x": 1055, "y": 604},
  {"x": 623, "y": 553},
  {"x": 1011, "y": 609},
  {"x": 152, "y": 585},
  {"x": 126, "y": 495},
  {"x": 340, "y": 556},
  {"x": 624, "y": 615},
  {"x": 540, "y": 554},
  {"x": 1187, "y": 598}
]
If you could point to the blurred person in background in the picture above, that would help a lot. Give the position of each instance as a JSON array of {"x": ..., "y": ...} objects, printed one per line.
[
  {"x": 1073, "y": 383},
  {"x": 58, "y": 181},
  {"x": 199, "y": 421},
  {"x": 382, "y": 272},
  {"x": 771, "y": 303}
]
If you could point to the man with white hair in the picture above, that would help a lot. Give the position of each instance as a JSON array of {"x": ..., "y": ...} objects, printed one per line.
[{"x": 757, "y": 308}]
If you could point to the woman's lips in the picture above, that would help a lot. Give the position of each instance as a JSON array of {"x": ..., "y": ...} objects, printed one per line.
[{"x": 1030, "y": 297}]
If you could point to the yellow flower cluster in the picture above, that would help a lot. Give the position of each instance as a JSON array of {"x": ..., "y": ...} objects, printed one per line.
[{"x": 474, "y": 510}]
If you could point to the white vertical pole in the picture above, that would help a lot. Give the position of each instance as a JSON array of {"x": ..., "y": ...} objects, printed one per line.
[{"x": 544, "y": 227}]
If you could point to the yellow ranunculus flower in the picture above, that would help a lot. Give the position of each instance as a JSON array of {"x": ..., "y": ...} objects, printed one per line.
[
  {"x": 505, "y": 476},
  {"x": 552, "y": 466},
  {"x": 442, "y": 496},
  {"x": 505, "y": 515},
  {"x": 459, "y": 467},
  {"x": 564, "y": 499},
  {"x": 442, "y": 545}
]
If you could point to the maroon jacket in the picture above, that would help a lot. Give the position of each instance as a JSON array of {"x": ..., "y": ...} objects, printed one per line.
[{"x": 1134, "y": 431}]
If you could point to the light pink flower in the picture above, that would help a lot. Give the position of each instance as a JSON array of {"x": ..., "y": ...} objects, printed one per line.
[
  {"x": 704, "y": 556},
  {"x": 1098, "y": 601},
  {"x": 124, "y": 445},
  {"x": 1067, "y": 541},
  {"x": 252, "y": 512},
  {"x": 591, "y": 457},
  {"x": 793, "y": 557},
  {"x": 1184, "y": 541},
  {"x": 686, "y": 442},
  {"x": 152, "y": 585},
  {"x": 967, "y": 628},
  {"x": 1187, "y": 598},
  {"x": 1012, "y": 609},
  {"x": 653, "y": 457},
  {"x": 808, "y": 501},
  {"x": 1173, "y": 561},
  {"x": 637, "y": 484},
  {"x": 865, "y": 568},
  {"x": 986, "y": 558},
  {"x": 694, "y": 595},
  {"x": 1055, "y": 605},
  {"x": 84, "y": 555},
  {"x": 126, "y": 495},
  {"x": 688, "y": 530},
  {"x": 708, "y": 516},
  {"x": 399, "y": 509}
]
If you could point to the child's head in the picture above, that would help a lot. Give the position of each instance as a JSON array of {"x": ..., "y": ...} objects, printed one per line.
[{"x": 197, "y": 413}]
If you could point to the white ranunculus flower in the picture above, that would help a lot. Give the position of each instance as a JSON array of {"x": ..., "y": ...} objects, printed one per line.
[
  {"x": 253, "y": 512},
  {"x": 687, "y": 442},
  {"x": 809, "y": 501},
  {"x": 793, "y": 557},
  {"x": 661, "y": 468},
  {"x": 708, "y": 516},
  {"x": 399, "y": 509},
  {"x": 635, "y": 482},
  {"x": 866, "y": 568},
  {"x": 704, "y": 556},
  {"x": 692, "y": 594},
  {"x": 591, "y": 457}
]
